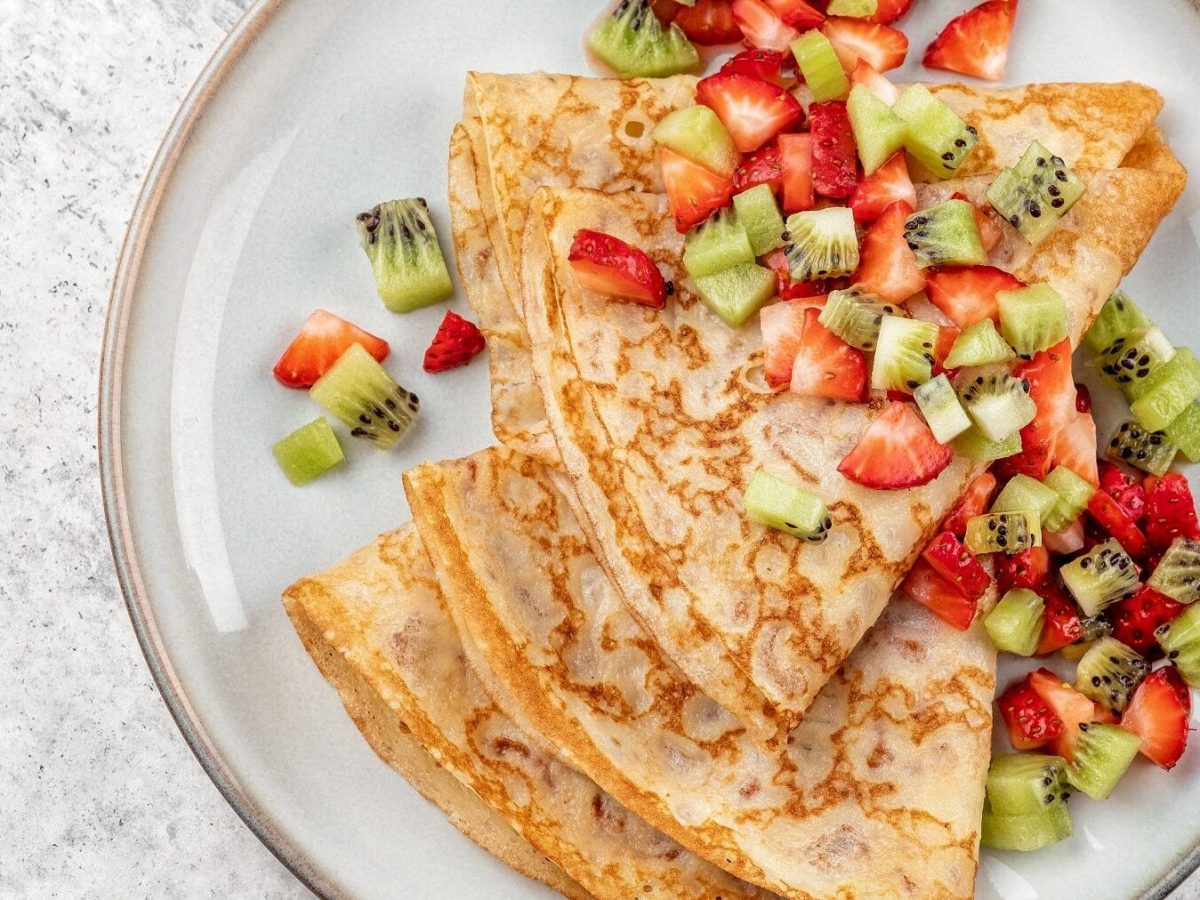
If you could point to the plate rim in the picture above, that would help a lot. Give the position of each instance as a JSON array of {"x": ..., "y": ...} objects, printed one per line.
[{"x": 170, "y": 685}]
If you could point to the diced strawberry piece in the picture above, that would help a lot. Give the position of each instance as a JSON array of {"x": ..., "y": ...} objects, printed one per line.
[
  {"x": 888, "y": 184},
  {"x": 834, "y": 153},
  {"x": 1136, "y": 618},
  {"x": 1028, "y": 569},
  {"x": 887, "y": 265},
  {"x": 763, "y": 166},
  {"x": 888, "y": 11},
  {"x": 1083, "y": 398},
  {"x": 975, "y": 502},
  {"x": 826, "y": 366},
  {"x": 782, "y": 327},
  {"x": 607, "y": 265},
  {"x": 693, "y": 192},
  {"x": 954, "y": 562},
  {"x": 1112, "y": 519},
  {"x": 967, "y": 294},
  {"x": 1065, "y": 543},
  {"x": 1072, "y": 707},
  {"x": 854, "y": 39},
  {"x": 709, "y": 22},
  {"x": 797, "y": 13},
  {"x": 761, "y": 27},
  {"x": 874, "y": 81},
  {"x": 796, "y": 155},
  {"x": 1124, "y": 488},
  {"x": 1030, "y": 721},
  {"x": 1034, "y": 460},
  {"x": 990, "y": 232},
  {"x": 1062, "y": 624},
  {"x": 896, "y": 451},
  {"x": 323, "y": 338},
  {"x": 1075, "y": 447},
  {"x": 456, "y": 343},
  {"x": 975, "y": 43},
  {"x": 947, "y": 335},
  {"x": 787, "y": 289},
  {"x": 1052, "y": 389},
  {"x": 764, "y": 64},
  {"x": 939, "y": 596},
  {"x": 753, "y": 110},
  {"x": 1170, "y": 511},
  {"x": 1158, "y": 714}
]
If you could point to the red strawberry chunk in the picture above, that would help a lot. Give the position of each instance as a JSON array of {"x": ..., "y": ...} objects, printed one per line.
[
  {"x": 1075, "y": 447},
  {"x": 834, "y": 153},
  {"x": 975, "y": 43},
  {"x": 787, "y": 289},
  {"x": 975, "y": 502},
  {"x": 709, "y": 22},
  {"x": 763, "y": 166},
  {"x": 1110, "y": 517},
  {"x": 1083, "y": 398},
  {"x": 1124, "y": 488},
  {"x": 1072, "y": 707},
  {"x": 796, "y": 156},
  {"x": 764, "y": 64},
  {"x": 1034, "y": 460},
  {"x": 939, "y": 596},
  {"x": 874, "y": 81},
  {"x": 1051, "y": 387},
  {"x": 1170, "y": 511},
  {"x": 693, "y": 192},
  {"x": 456, "y": 343},
  {"x": 797, "y": 13},
  {"x": 954, "y": 562},
  {"x": 1028, "y": 569},
  {"x": 1062, "y": 624},
  {"x": 888, "y": 11},
  {"x": 1136, "y": 618},
  {"x": 896, "y": 451},
  {"x": 753, "y": 110},
  {"x": 887, "y": 265},
  {"x": 888, "y": 184},
  {"x": 782, "y": 327},
  {"x": 947, "y": 335},
  {"x": 854, "y": 39},
  {"x": 967, "y": 294},
  {"x": 609, "y": 266},
  {"x": 990, "y": 232},
  {"x": 825, "y": 365},
  {"x": 323, "y": 338},
  {"x": 761, "y": 27},
  {"x": 1158, "y": 714},
  {"x": 1030, "y": 721}
]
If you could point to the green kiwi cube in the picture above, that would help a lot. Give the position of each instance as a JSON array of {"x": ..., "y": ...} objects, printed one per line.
[
  {"x": 1150, "y": 451},
  {"x": 1006, "y": 532},
  {"x": 856, "y": 8},
  {"x": 1118, "y": 317},
  {"x": 1022, "y": 784},
  {"x": 308, "y": 452},
  {"x": 1181, "y": 643},
  {"x": 402, "y": 245},
  {"x": 1023, "y": 492},
  {"x": 999, "y": 404},
  {"x": 1036, "y": 193},
  {"x": 974, "y": 445},
  {"x": 937, "y": 137},
  {"x": 1131, "y": 359},
  {"x": 717, "y": 244},
  {"x": 358, "y": 391},
  {"x": 737, "y": 293},
  {"x": 820, "y": 66},
  {"x": 878, "y": 131},
  {"x": 939, "y": 404},
  {"x": 1032, "y": 831},
  {"x": 634, "y": 44},
  {"x": 904, "y": 355},
  {"x": 1103, "y": 753},
  {"x": 1032, "y": 318},
  {"x": 1178, "y": 573},
  {"x": 696, "y": 133},
  {"x": 786, "y": 507},
  {"x": 1074, "y": 493},
  {"x": 1184, "y": 432},
  {"x": 945, "y": 235},
  {"x": 856, "y": 316},
  {"x": 979, "y": 345},
  {"x": 759, "y": 215},
  {"x": 1109, "y": 672},
  {"x": 1168, "y": 391},
  {"x": 1015, "y": 624},
  {"x": 821, "y": 243},
  {"x": 1100, "y": 577}
]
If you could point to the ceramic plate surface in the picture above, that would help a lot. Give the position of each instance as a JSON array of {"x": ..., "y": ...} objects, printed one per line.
[{"x": 311, "y": 112}]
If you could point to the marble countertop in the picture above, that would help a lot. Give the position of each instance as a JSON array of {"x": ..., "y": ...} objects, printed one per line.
[{"x": 98, "y": 792}]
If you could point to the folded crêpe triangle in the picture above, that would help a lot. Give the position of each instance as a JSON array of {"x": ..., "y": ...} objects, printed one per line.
[
  {"x": 523, "y": 132},
  {"x": 661, "y": 417},
  {"x": 379, "y": 630},
  {"x": 879, "y": 791}
]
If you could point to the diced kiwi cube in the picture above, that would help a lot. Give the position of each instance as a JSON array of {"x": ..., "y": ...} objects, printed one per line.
[
  {"x": 759, "y": 215},
  {"x": 1118, "y": 317},
  {"x": 937, "y": 137},
  {"x": 1015, "y": 625},
  {"x": 821, "y": 243},
  {"x": 786, "y": 507},
  {"x": 634, "y": 44},
  {"x": 716, "y": 244},
  {"x": 1074, "y": 493},
  {"x": 696, "y": 133},
  {"x": 820, "y": 66},
  {"x": 1109, "y": 672},
  {"x": 904, "y": 355},
  {"x": 1023, "y": 492},
  {"x": 1178, "y": 573},
  {"x": 1103, "y": 753},
  {"x": 856, "y": 316},
  {"x": 979, "y": 345},
  {"x": 938, "y": 402},
  {"x": 1131, "y": 359},
  {"x": 1184, "y": 432},
  {"x": 1168, "y": 391},
  {"x": 402, "y": 245},
  {"x": 309, "y": 451},
  {"x": 1035, "y": 193},
  {"x": 1021, "y": 784},
  {"x": 1181, "y": 642},
  {"x": 1006, "y": 532},
  {"x": 1150, "y": 451},
  {"x": 973, "y": 444},
  {"x": 360, "y": 393},
  {"x": 1027, "y": 832},
  {"x": 999, "y": 404},
  {"x": 857, "y": 8},
  {"x": 1032, "y": 318},
  {"x": 1100, "y": 577},
  {"x": 737, "y": 293},
  {"x": 945, "y": 235},
  {"x": 878, "y": 131}
]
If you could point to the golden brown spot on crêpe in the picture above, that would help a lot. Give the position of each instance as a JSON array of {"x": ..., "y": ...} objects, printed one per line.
[
  {"x": 880, "y": 756},
  {"x": 749, "y": 789},
  {"x": 502, "y": 746},
  {"x": 833, "y": 850}
]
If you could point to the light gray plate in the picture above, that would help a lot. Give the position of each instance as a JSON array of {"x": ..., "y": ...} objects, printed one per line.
[{"x": 312, "y": 111}]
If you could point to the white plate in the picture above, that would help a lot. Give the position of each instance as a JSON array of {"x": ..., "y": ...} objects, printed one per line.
[{"x": 312, "y": 111}]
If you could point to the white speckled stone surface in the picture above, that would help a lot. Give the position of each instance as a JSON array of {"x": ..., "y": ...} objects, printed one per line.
[{"x": 99, "y": 796}]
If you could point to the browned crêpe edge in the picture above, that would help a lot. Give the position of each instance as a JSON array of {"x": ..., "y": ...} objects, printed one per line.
[
  {"x": 381, "y": 611},
  {"x": 619, "y": 419},
  {"x": 385, "y": 731},
  {"x": 880, "y": 790}
]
